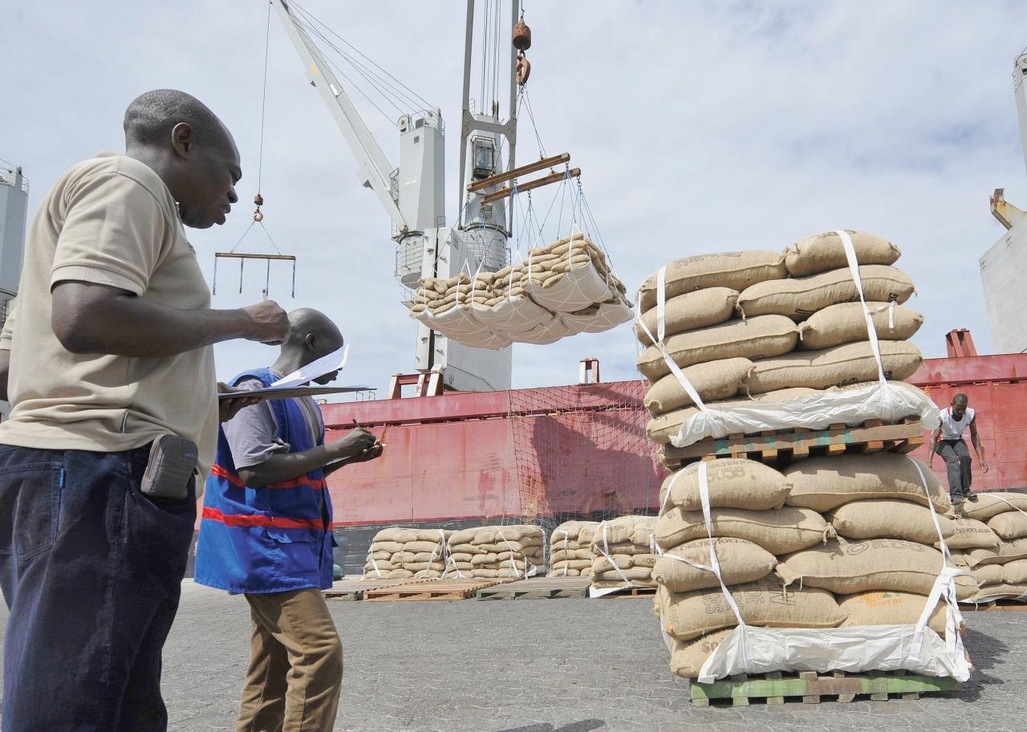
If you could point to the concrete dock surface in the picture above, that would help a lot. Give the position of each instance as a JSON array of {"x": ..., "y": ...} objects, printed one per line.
[{"x": 549, "y": 665}]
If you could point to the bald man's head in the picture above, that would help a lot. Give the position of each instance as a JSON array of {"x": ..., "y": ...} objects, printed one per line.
[
  {"x": 152, "y": 116},
  {"x": 312, "y": 335}
]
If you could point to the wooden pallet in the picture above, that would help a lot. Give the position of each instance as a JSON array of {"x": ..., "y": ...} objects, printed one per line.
[
  {"x": 458, "y": 589},
  {"x": 537, "y": 588},
  {"x": 354, "y": 589},
  {"x": 775, "y": 688},
  {"x": 993, "y": 605},
  {"x": 625, "y": 592},
  {"x": 780, "y": 447}
]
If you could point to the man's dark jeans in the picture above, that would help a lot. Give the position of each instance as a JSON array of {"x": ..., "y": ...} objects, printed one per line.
[
  {"x": 91, "y": 571},
  {"x": 957, "y": 459}
]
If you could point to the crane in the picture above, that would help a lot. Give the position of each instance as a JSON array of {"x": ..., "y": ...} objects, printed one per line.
[
  {"x": 413, "y": 193},
  {"x": 1001, "y": 266}
]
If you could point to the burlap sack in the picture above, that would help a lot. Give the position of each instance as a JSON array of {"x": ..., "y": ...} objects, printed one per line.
[
  {"x": 959, "y": 558},
  {"x": 824, "y": 252},
  {"x": 760, "y": 337},
  {"x": 779, "y": 532},
  {"x": 735, "y": 270},
  {"x": 998, "y": 592},
  {"x": 561, "y": 554},
  {"x": 572, "y": 568},
  {"x": 1015, "y": 572},
  {"x": 799, "y": 298},
  {"x": 1009, "y": 525},
  {"x": 989, "y": 574},
  {"x": 890, "y": 608},
  {"x": 740, "y": 561},
  {"x": 993, "y": 503},
  {"x": 824, "y": 483},
  {"x": 846, "y": 567},
  {"x": 968, "y": 533},
  {"x": 637, "y": 530},
  {"x": 764, "y": 603},
  {"x": 1007, "y": 551},
  {"x": 602, "y": 565},
  {"x": 430, "y": 535},
  {"x": 732, "y": 483},
  {"x": 688, "y": 657},
  {"x": 692, "y": 310},
  {"x": 714, "y": 380},
  {"x": 386, "y": 546},
  {"x": 845, "y": 364},
  {"x": 889, "y": 519},
  {"x": 846, "y": 323}
]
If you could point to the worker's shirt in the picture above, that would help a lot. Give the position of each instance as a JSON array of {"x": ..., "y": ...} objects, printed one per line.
[{"x": 952, "y": 429}]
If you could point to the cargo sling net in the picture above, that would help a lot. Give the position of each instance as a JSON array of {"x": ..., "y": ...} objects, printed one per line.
[{"x": 581, "y": 457}]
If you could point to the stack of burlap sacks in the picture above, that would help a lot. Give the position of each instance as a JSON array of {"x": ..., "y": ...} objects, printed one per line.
[
  {"x": 1000, "y": 563},
  {"x": 497, "y": 551},
  {"x": 401, "y": 553},
  {"x": 483, "y": 551},
  {"x": 570, "y": 549},
  {"x": 623, "y": 553},
  {"x": 827, "y": 542},
  {"x": 561, "y": 289},
  {"x": 770, "y": 326}
]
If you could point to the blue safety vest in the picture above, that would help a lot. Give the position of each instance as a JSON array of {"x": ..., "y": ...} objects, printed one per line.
[{"x": 271, "y": 539}]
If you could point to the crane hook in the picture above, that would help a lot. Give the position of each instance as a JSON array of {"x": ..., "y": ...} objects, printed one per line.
[
  {"x": 522, "y": 69},
  {"x": 259, "y": 201}
]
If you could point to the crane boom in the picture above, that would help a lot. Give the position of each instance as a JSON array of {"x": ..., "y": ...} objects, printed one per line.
[{"x": 375, "y": 169}]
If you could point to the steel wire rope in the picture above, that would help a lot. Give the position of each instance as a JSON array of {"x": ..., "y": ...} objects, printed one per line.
[
  {"x": 309, "y": 23},
  {"x": 525, "y": 102},
  {"x": 381, "y": 85},
  {"x": 373, "y": 83},
  {"x": 260, "y": 149}
]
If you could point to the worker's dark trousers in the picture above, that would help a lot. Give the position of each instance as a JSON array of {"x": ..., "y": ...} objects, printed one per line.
[
  {"x": 92, "y": 572},
  {"x": 957, "y": 459}
]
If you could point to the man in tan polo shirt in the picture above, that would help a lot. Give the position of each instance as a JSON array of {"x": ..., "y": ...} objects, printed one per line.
[{"x": 110, "y": 360}]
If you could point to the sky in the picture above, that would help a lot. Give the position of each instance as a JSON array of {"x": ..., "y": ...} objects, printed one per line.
[{"x": 699, "y": 127}]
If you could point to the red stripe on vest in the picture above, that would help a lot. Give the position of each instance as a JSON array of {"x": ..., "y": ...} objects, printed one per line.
[
  {"x": 220, "y": 471},
  {"x": 249, "y": 520}
]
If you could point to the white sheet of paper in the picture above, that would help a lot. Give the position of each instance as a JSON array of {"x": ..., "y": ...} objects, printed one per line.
[{"x": 334, "y": 361}]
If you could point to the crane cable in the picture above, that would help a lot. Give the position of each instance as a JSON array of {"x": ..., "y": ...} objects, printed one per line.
[{"x": 258, "y": 199}]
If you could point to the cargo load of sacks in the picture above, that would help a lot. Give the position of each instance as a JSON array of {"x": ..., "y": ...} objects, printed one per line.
[
  {"x": 623, "y": 554},
  {"x": 401, "y": 553},
  {"x": 560, "y": 290},
  {"x": 570, "y": 549},
  {"x": 998, "y": 560},
  {"x": 744, "y": 342},
  {"x": 496, "y": 551},
  {"x": 836, "y": 564}
]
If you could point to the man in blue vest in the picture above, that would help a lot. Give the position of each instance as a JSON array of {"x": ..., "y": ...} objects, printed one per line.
[{"x": 266, "y": 532}]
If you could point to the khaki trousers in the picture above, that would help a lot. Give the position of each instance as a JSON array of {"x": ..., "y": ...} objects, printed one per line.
[{"x": 295, "y": 673}]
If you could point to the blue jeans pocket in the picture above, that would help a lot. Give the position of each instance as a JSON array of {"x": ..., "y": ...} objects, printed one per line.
[{"x": 30, "y": 502}]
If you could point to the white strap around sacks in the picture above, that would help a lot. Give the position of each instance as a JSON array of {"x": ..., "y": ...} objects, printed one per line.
[
  {"x": 850, "y": 256},
  {"x": 526, "y": 572},
  {"x": 674, "y": 368},
  {"x": 567, "y": 539},
  {"x": 377, "y": 572},
  {"x": 594, "y": 591},
  {"x": 944, "y": 587}
]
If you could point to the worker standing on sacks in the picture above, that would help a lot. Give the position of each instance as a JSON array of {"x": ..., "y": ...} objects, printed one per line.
[{"x": 947, "y": 440}]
